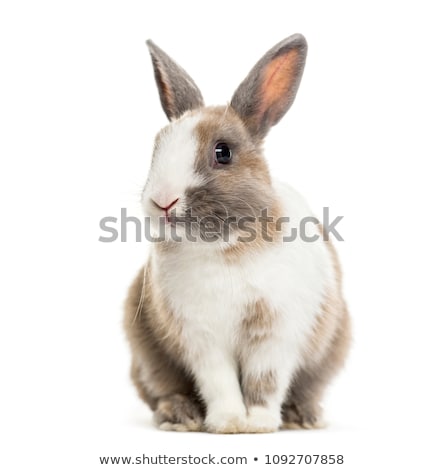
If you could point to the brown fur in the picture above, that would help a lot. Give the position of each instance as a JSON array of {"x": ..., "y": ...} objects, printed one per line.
[
  {"x": 156, "y": 372},
  {"x": 257, "y": 323},
  {"x": 302, "y": 406},
  {"x": 332, "y": 312},
  {"x": 179, "y": 413},
  {"x": 256, "y": 327},
  {"x": 326, "y": 351},
  {"x": 239, "y": 190},
  {"x": 265, "y": 235},
  {"x": 222, "y": 124},
  {"x": 257, "y": 389}
]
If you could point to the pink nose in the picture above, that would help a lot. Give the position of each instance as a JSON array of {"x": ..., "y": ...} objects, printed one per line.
[{"x": 167, "y": 207}]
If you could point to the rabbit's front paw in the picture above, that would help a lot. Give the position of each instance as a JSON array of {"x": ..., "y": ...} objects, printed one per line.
[
  {"x": 262, "y": 420},
  {"x": 226, "y": 422}
]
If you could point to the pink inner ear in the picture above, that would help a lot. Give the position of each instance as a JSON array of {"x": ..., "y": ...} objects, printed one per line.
[{"x": 278, "y": 78}]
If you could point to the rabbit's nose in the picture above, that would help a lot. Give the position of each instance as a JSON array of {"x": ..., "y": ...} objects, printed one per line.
[{"x": 165, "y": 207}]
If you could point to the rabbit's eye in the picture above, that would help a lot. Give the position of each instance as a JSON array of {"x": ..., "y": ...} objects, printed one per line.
[{"x": 222, "y": 153}]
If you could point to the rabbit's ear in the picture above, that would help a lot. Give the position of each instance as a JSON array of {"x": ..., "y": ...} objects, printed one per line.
[
  {"x": 177, "y": 90},
  {"x": 270, "y": 88}
]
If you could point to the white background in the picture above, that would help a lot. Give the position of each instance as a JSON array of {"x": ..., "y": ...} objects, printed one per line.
[{"x": 78, "y": 113}]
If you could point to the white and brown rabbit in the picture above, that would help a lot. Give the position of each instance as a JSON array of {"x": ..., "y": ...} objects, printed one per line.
[{"x": 232, "y": 327}]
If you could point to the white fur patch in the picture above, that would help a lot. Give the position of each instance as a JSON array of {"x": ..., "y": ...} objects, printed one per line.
[{"x": 172, "y": 169}]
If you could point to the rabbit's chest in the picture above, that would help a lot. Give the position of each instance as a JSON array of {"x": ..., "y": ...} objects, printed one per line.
[
  {"x": 208, "y": 299},
  {"x": 213, "y": 301}
]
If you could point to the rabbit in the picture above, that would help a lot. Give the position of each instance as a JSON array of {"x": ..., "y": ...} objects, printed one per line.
[{"x": 232, "y": 334}]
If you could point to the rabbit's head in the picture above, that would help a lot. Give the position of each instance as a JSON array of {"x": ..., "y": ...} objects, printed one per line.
[{"x": 207, "y": 166}]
